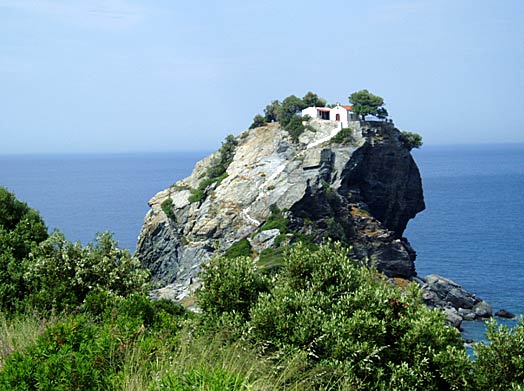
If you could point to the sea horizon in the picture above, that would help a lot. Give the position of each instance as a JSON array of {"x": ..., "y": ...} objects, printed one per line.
[{"x": 209, "y": 151}]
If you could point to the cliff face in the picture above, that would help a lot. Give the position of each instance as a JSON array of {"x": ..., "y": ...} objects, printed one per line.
[{"x": 361, "y": 189}]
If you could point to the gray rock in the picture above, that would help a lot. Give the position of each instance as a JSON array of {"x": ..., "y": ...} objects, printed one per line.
[
  {"x": 466, "y": 314},
  {"x": 264, "y": 239},
  {"x": 453, "y": 318},
  {"x": 505, "y": 314},
  {"x": 483, "y": 310},
  {"x": 442, "y": 292}
]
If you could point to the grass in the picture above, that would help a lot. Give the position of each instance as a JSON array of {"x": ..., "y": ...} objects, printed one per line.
[
  {"x": 239, "y": 249},
  {"x": 275, "y": 220},
  {"x": 20, "y": 331},
  {"x": 194, "y": 360},
  {"x": 271, "y": 257}
]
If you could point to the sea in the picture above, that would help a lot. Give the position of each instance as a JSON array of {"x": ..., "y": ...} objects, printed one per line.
[{"x": 471, "y": 231}]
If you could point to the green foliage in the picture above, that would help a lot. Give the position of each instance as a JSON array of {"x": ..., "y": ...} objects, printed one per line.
[
  {"x": 410, "y": 140},
  {"x": 217, "y": 172},
  {"x": 344, "y": 136},
  {"x": 499, "y": 365},
  {"x": 209, "y": 379},
  {"x": 60, "y": 274},
  {"x": 275, "y": 220},
  {"x": 287, "y": 112},
  {"x": 271, "y": 258},
  {"x": 242, "y": 248},
  {"x": 354, "y": 323},
  {"x": 21, "y": 228},
  {"x": 295, "y": 127},
  {"x": 83, "y": 353},
  {"x": 289, "y": 108},
  {"x": 365, "y": 103},
  {"x": 230, "y": 286},
  {"x": 258, "y": 120},
  {"x": 167, "y": 208},
  {"x": 313, "y": 100},
  {"x": 351, "y": 325},
  {"x": 271, "y": 111}
]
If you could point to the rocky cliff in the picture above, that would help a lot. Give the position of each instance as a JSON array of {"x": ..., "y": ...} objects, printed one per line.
[{"x": 358, "y": 185}]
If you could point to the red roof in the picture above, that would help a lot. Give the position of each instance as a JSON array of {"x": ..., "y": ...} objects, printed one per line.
[{"x": 348, "y": 108}]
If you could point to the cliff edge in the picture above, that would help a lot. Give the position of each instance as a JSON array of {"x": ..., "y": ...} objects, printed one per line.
[{"x": 358, "y": 185}]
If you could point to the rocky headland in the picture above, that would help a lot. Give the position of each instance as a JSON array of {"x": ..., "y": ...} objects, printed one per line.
[{"x": 265, "y": 189}]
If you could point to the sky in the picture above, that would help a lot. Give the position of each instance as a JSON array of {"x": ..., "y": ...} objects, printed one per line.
[{"x": 94, "y": 76}]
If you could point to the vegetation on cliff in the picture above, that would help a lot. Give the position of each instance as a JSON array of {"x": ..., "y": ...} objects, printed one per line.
[
  {"x": 410, "y": 140},
  {"x": 365, "y": 103},
  {"x": 217, "y": 171},
  {"x": 287, "y": 113}
]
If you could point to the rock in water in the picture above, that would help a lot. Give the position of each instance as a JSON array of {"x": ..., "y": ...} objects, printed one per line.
[
  {"x": 442, "y": 293},
  {"x": 505, "y": 314},
  {"x": 362, "y": 192}
]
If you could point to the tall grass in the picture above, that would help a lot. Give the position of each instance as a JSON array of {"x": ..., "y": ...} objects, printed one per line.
[
  {"x": 210, "y": 363},
  {"x": 20, "y": 330},
  {"x": 191, "y": 361}
]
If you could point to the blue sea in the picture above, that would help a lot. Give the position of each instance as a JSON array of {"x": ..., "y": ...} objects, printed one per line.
[
  {"x": 85, "y": 194},
  {"x": 471, "y": 230}
]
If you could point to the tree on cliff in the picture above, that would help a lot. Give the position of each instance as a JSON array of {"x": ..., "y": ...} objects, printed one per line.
[
  {"x": 365, "y": 103},
  {"x": 271, "y": 111},
  {"x": 290, "y": 107},
  {"x": 410, "y": 140},
  {"x": 313, "y": 100}
]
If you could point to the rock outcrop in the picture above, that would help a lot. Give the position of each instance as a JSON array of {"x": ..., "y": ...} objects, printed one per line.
[
  {"x": 458, "y": 303},
  {"x": 361, "y": 189}
]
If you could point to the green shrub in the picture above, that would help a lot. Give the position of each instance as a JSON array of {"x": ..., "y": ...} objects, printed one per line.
[
  {"x": 275, "y": 220},
  {"x": 295, "y": 127},
  {"x": 167, "y": 208},
  {"x": 197, "y": 195},
  {"x": 86, "y": 352},
  {"x": 230, "y": 286},
  {"x": 354, "y": 326},
  {"x": 288, "y": 110},
  {"x": 410, "y": 140},
  {"x": 21, "y": 228},
  {"x": 271, "y": 258},
  {"x": 242, "y": 248},
  {"x": 499, "y": 365},
  {"x": 217, "y": 171},
  {"x": 60, "y": 274},
  {"x": 209, "y": 379},
  {"x": 344, "y": 136},
  {"x": 71, "y": 355},
  {"x": 258, "y": 120}
]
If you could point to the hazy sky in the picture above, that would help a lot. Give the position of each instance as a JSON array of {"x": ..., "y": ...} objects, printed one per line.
[{"x": 160, "y": 75}]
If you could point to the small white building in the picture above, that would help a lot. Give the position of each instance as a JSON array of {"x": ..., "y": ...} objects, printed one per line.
[{"x": 341, "y": 114}]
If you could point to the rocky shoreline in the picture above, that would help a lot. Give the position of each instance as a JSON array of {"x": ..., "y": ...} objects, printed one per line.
[{"x": 457, "y": 303}]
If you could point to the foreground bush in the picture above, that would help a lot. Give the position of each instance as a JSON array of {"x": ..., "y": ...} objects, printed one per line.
[
  {"x": 351, "y": 325},
  {"x": 59, "y": 274},
  {"x": 92, "y": 351},
  {"x": 499, "y": 365},
  {"x": 21, "y": 228},
  {"x": 231, "y": 286}
]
